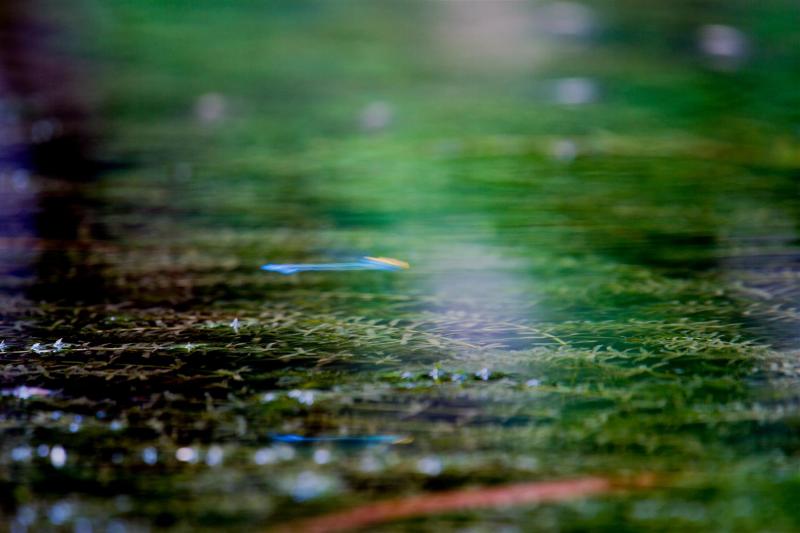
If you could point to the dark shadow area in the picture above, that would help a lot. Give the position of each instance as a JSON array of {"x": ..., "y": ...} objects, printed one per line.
[{"x": 46, "y": 156}]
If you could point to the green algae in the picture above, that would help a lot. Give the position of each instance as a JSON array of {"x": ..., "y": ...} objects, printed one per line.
[{"x": 633, "y": 303}]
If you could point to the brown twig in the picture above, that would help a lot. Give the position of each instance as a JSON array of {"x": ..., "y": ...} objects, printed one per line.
[{"x": 456, "y": 500}]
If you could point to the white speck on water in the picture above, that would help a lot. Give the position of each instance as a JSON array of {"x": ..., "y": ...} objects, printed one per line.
[
  {"x": 74, "y": 427},
  {"x": 115, "y": 425},
  {"x": 211, "y": 107},
  {"x": 527, "y": 463},
  {"x": 457, "y": 378},
  {"x": 483, "y": 374},
  {"x": 305, "y": 397},
  {"x": 284, "y": 452},
  {"x": 43, "y": 450},
  {"x": 407, "y": 375},
  {"x": 59, "y": 513},
  {"x": 435, "y": 374},
  {"x": 564, "y": 150},
  {"x": 26, "y": 515},
  {"x": 58, "y": 456},
  {"x": 574, "y": 91},
  {"x": 23, "y": 393},
  {"x": 308, "y": 485},
  {"x": 430, "y": 466},
  {"x": 186, "y": 454},
  {"x": 376, "y": 116},
  {"x": 369, "y": 464},
  {"x": 722, "y": 42},
  {"x": 59, "y": 345},
  {"x": 214, "y": 455},
  {"x": 189, "y": 346},
  {"x": 235, "y": 324},
  {"x": 268, "y": 397},
  {"x": 2, "y": 346},
  {"x": 150, "y": 455},
  {"x": 21, "y": 453},
  {"x": 55, "y": 415},
  {"x": 265, "y": 456},
  {"x": 38, "y": 347},
  {"x": 322, "y": 456},
  {"x": 533, "y": 383}
]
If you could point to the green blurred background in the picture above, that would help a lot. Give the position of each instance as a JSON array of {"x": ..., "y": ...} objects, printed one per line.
[{"x": 599, "y": 202}]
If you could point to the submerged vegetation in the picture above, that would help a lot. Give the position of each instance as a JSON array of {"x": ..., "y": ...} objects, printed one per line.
[{"x": 603, "y": 283}]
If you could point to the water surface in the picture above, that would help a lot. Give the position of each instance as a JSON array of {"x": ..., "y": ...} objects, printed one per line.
[{"x": 599, "y": 204}]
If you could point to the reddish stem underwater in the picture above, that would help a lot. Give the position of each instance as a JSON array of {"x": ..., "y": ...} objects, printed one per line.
[{"x": 477, "y": 498}]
